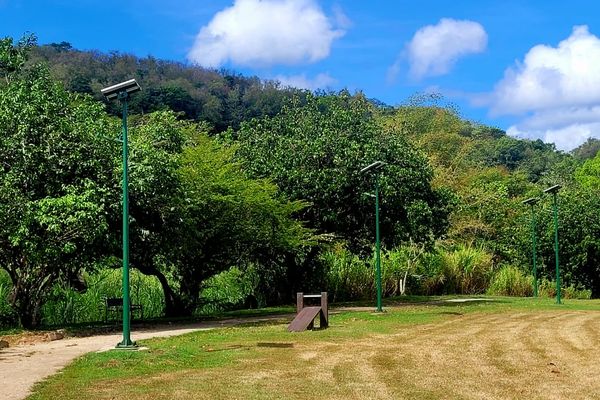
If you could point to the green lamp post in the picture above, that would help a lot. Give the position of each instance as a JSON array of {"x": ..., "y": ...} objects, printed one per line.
[
  {"x": 554, "y": 191},
  {"x": 532, "y": 202},
  {"x": 375, "y": 169},
  {"x": 121, "y": 92}
]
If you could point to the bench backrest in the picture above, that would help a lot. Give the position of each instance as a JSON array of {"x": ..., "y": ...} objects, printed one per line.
[{"x": 114, "y": 302}]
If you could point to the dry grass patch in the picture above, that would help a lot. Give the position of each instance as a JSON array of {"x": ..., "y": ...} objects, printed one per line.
[{"x": 468, "y": 352}]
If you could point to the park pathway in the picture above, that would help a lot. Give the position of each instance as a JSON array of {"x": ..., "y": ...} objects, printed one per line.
[{"x": 23, "y": 365}]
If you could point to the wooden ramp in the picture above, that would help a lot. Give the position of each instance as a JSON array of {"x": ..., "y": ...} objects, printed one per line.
[{"x": 304, "y": 319}]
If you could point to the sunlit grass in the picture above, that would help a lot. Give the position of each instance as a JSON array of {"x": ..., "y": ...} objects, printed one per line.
[{"x": 238, "y": 362}]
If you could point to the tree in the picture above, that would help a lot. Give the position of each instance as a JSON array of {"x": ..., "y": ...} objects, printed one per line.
[
  {"x": 587, "y": 150},
  {"x": 56, "y": 182},
  {"x": 13, "y": 57},
  {"x": 194, "y": 213},
  {"x": 314, "y": 149},
  {"x": 588, "y": 175},
  {"x": 579, "y": 233}
]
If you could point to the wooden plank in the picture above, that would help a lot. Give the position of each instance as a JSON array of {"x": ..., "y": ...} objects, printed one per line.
[{"x": 304, "y": 318}]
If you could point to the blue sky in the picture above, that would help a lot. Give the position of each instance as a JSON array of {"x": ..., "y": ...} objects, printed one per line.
[{"x": 529, "y": 67}]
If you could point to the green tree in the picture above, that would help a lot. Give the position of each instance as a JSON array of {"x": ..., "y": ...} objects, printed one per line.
[
  {"x": 314, "y": 149},
  {"x": 194, "y": 213},
  {"x": 56, "y": 180},
  {"x": 13, "y": 57},
  {"x": 588, "y": 175},
  {"x": 579, "y": 237}
]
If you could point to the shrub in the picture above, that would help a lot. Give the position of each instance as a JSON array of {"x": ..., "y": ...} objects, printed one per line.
[
  {"x": 233, "y": 288},
  {"x": 348, "y": 277},
  {"x": 511, "y": 281},
  {"x": 547, "y": 288},
  {"x": 462, "y": 270},
  {"x": 67, "y": 306},
  {"x": 398, "y": 266},
  {"x": 8, "y": 317}
]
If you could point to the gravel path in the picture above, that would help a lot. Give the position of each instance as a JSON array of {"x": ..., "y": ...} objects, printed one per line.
[{"x": 22, "y": 366}]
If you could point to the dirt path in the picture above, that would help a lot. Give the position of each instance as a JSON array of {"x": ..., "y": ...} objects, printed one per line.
[{"x": 22, "y": 366}]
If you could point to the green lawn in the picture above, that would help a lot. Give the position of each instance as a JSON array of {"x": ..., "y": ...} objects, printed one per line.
[{"x": 362, "y": 355}]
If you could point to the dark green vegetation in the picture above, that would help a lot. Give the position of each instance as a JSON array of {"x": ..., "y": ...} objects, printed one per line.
[
  {"x": 243, "y": 193},
  {"x": 414, "y": 351}
]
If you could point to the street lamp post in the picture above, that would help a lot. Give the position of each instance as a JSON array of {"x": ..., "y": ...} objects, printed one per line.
[
  {"x": 532, "y": 202},
  {"x": 121, "y": 92},
  {"x": 375, "y": 167},
  {"x": 554, "y": 190}
]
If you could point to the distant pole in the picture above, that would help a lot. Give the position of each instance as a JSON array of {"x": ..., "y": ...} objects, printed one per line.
[
  {"x": 535, "y": 281},
  {"x": 556, "y": 248},
  {"x": 377, "y": 245},
  {"x": 554, "y": 190},
  {"x": 374, "y": 169}
]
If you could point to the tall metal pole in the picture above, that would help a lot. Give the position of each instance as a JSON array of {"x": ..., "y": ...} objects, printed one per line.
[
  {"x": 127, "y": 342},
  {"x": 556, "y": 249},
  {"x": 535, "y": 280},
  {"x": 377, "y": 244}
]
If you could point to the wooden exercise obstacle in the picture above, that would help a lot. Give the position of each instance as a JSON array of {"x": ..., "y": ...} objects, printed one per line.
[{"x": 305, "y": 317}]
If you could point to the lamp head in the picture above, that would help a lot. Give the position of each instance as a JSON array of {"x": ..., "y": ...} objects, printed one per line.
[
  {"x": 112, "y": 92},
  {"x": 372, "y": 167},
  {"x": 553, "y": 189},
  {"x": 531, "y": 201}
]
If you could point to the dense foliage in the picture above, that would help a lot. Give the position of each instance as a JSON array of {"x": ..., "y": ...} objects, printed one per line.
[
  {"x": 242, "y": 193},
  {"x": 221, "y": 98},
  {"x": 315, "y": 152}
]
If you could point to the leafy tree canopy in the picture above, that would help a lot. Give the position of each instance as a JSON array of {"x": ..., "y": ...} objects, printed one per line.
[{"x": 314, "y": 152}]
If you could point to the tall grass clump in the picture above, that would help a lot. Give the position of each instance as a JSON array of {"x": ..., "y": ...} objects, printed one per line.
[
  {"x": 547, "y": 288},
  {"x": 348, "y": 276},
  {"x": 67, "y": 306},
  {"x": 231, "y": 289},
  {"x": 8, "y": 317},
  {"x": 399, "y": 266},
  {"x": 460, "y": 270},
  {"x": 511, "y": 281}
]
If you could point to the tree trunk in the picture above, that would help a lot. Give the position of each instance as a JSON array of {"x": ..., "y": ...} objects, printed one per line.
[
  {"x": 27, "y": 308},
  {"x": 173, "y": 303}
]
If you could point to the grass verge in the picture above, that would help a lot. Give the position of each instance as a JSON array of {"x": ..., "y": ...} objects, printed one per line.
[{"x": 494, "y": 348}]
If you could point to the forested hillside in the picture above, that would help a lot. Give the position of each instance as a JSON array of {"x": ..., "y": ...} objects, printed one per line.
[
  {"x": 221, "y": 98},
  {"x": 243, "y": 192}
]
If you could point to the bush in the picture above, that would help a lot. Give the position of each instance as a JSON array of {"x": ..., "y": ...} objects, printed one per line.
[
  {"x": 67, "y": 306},
  {"x": 547, "y": 288},
  {"x": 511, "y": 281},
  {"x": 233, "y": 288},
  {"x": 463, "y": 270},
  {"x": 8, "y": 317},
  {"x": 348, "y": 277},
  {"x": 399, "y": 266}
]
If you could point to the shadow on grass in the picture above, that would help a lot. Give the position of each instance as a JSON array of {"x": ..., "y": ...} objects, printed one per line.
[{"x": 275, "y": 345}]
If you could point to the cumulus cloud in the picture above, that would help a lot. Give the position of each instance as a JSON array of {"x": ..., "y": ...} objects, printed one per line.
[
  {"x": 267, "y": 32},
  {"x": 434, "y": 49},
  {"x": 556, "y": 90},
  {"x": 321, "y": 81},
  {"x": 568, "y": 74}
]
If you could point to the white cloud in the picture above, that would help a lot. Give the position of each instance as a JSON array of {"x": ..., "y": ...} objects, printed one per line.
[
  {"x": 266, "y": 32},
  {"x": 321, "y": 81},
  {"x": 553, "y": 76},
  {"x": 565, "y": 138},
  {"x": 556, "y": 89},
  {"x": 434, "y": 49}
]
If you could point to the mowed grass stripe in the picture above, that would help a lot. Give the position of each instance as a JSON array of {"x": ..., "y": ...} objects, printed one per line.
[{"x": 513, "y": 348}]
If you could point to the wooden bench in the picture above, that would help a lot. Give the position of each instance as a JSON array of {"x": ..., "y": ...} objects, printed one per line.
[
  {"x": 115, "y": 305},
  {"x": 306, "y": 315}
]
